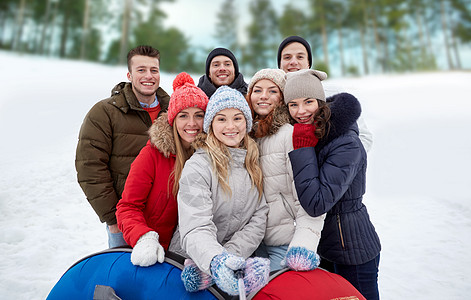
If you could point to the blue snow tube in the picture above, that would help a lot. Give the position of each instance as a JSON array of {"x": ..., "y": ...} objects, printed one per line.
[{"x": 111, "y": 275}]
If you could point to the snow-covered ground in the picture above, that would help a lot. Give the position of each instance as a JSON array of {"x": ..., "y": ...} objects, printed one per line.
[{"x": 418, "y": 175}]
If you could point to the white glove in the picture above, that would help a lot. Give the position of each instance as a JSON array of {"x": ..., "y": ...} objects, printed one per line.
[{"x": 147, "y": 250}]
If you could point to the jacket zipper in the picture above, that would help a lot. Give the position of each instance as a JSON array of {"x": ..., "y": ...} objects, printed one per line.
[
  {"x": 288, "y": 209},
  {"x": 340, "y": 229}
]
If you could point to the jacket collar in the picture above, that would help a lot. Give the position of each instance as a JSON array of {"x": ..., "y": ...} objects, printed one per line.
[
  {"x": 129, "y": 99},
  {"x": 161, "y": 136},
  {"x": 209, "y": 88}
]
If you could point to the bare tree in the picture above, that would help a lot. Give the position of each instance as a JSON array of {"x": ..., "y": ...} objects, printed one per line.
[
  {"x": 123, "y": 48},
  {"x": 85, "y": 29},
  {"x": 19, "y": 24},
  {"x": 445, "y": 34}
]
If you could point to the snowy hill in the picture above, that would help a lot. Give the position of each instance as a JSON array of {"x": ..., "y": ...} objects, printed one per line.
[{"x": 418, "y": 175}]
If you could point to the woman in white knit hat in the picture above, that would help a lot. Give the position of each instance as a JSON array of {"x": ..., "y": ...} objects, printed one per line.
[
  {"x": 221, "y": 209},
  {"x": 289, "y": 228},
  {"x": 329, "y": 168}
]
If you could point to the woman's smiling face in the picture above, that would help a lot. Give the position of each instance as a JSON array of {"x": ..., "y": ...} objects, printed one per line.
[{"x": 302, "y": 110}]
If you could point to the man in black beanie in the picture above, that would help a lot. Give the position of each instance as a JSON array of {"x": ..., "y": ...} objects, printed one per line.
[
  {"x": 222, "y": 69},
  {"x": 294, "y": 54}
]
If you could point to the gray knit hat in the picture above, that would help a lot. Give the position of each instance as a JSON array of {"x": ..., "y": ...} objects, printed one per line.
[
  {"x": 304, "y": 84},
  {"x": 226, "y": 97},
  {"x": 275, "y": 75}
]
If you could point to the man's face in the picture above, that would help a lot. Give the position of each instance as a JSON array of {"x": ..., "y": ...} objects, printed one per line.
[
  {"x": 294, "y": 58},
  {"x": 221, "y": 71},
  {"x": 144, "y": 76}
]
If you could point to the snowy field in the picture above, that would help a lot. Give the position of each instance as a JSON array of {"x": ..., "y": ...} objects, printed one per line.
[{"x": 417, "y": 190}]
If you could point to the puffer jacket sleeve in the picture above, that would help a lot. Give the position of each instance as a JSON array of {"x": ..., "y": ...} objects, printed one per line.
[
  {"x": 320, "y": 187},
  {"x": 366, "y": 136},
  {"x": 307, "y": 232},
  {"x": 91, "y": 162},
  {"x": 198, "y": 233},
  {"x": 245, "y": 241},
  {"x": 130, "y": 209}
]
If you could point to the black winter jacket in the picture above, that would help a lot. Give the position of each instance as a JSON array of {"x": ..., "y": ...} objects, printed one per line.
[
  {"x": 209, "y": 88},
  {"x": 332, "y": 178}
]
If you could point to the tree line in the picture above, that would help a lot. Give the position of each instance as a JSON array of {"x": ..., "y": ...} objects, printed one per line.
[{"x": 351, "y": 36}]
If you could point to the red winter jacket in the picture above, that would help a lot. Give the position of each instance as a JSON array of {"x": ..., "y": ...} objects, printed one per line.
[{"x": 147, "y": 203}]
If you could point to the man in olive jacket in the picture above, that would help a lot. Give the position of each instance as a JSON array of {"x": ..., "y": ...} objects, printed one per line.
[{"x": 114, "y": 131}]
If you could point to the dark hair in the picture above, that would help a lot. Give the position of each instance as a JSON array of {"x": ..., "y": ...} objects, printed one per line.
[
  {"x": 142, "y": 50},
  {"x": 321, "y": 119}
]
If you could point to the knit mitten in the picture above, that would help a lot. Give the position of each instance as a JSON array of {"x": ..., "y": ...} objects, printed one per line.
[
  {"x": 222, "y": 270},
  {"x": 147, "y": 250},
  {"x": 301, "y": 259},
  {"x": 257, "y": 270},
  {"x": 303, "y": 136},
  {"x": 193, "y": 278}
]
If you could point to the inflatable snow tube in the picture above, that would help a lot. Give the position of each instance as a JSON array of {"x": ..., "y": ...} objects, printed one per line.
[
  {"x": 316, "y": 284},
  {"x": 111, "y": 275}
]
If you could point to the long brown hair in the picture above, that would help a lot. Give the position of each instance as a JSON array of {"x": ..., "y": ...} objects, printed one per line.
[
  {"x": 263, "y": 124},
  {"x": 181, "y": 156},
  {"x": 321, "y": 119}
]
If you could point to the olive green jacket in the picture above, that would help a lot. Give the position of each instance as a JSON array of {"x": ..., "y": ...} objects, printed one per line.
[{"x": 112, "y": 134}]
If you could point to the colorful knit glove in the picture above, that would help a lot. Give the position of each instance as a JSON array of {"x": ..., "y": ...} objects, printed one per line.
[
  {"x": 301, "y": 259},
  {"x": 193, "y": 278},
  {"x": 147, "y": 250},
  {"x": 222, "y": 270},
  {"x": 303, "y": 136},
  {"x": 257, "y": 270}
]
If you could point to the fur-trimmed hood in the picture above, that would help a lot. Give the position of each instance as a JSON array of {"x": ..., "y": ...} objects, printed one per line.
[
  {"x": 161, "y": 136},
  {"x": 200, "y": 141},
  {"x": 345, "y": 111}
]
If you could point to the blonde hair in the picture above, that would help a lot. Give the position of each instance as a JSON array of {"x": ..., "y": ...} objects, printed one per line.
[
  {"x": 220, "y": 158},
  {"x": 181, "y": 156}
]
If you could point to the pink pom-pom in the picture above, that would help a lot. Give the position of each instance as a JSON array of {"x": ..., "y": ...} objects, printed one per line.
[{"x": 181, "y": 79}]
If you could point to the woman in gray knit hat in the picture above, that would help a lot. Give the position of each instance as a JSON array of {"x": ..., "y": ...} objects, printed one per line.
[{"x": 329, "y": 168}]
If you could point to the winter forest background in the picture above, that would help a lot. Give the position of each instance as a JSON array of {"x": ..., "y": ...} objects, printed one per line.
[
  {"x": 348, "y": 37},
  {"x": 407, "y": 62}
]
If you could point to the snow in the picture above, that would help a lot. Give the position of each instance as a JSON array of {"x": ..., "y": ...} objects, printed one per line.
[{"x": 418, "y": 174}]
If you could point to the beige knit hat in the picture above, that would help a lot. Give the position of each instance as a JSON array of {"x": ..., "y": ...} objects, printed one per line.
[
  {"x": 275, "y": 75},
  {"x": 304, "y": 84}
]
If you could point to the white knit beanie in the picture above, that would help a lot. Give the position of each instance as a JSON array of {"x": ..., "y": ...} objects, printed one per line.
[
  {"x": 304, "y": 83},
  {"x": 226, "y": 97},
  {"x": 277, "y": 76}
]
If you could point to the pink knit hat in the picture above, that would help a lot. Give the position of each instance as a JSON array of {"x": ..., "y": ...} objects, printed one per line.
[{"x": 185, "y": 94}]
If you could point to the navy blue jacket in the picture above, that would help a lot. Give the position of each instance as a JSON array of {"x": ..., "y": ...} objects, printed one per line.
[{"x": 331, "y": 178}]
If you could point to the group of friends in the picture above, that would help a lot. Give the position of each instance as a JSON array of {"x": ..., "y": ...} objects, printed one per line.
[{"x": 238, "y": 178}]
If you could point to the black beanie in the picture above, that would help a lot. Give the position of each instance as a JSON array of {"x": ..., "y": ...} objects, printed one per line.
[
  {"x": 292, "y": 39},
  {"x": 225, "y": 52}
]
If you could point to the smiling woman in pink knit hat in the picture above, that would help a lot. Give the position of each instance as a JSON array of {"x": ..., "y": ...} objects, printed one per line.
[{"x": 147, "y": 213}]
